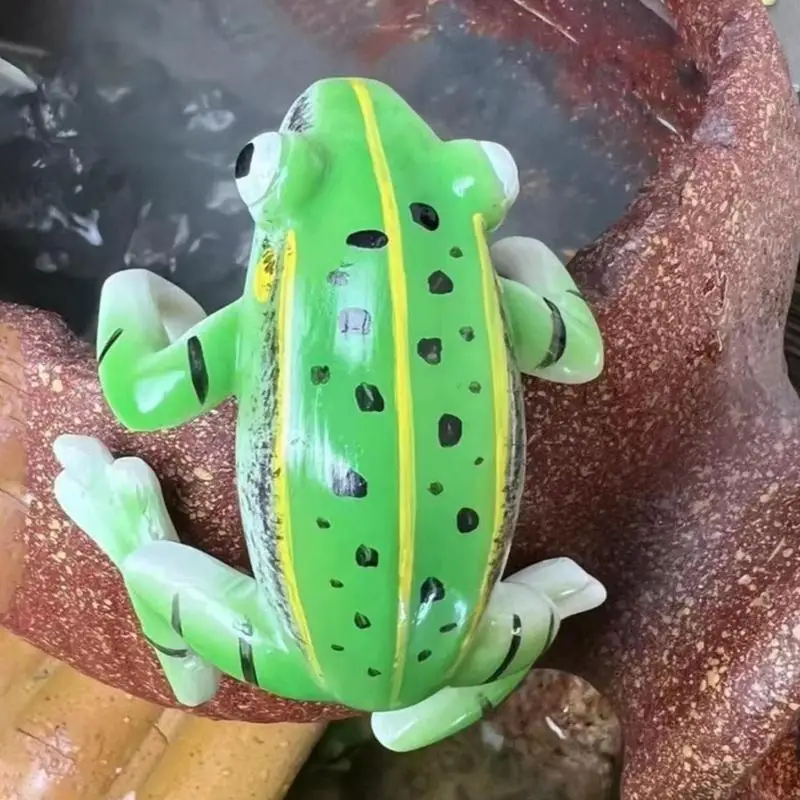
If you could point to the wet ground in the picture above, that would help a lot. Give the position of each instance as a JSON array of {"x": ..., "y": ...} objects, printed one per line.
[
  {"x": 556, "y": 739},
  {"x": 124, "y": 156}
]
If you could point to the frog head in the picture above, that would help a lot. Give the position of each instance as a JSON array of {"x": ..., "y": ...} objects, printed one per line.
[{"x": 325, "y": 137}]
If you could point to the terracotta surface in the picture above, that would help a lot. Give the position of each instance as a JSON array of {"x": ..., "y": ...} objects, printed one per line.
[
  {"x": 778, "y": 776},
  {"x": 674, "y": 479},
  {"x": 64, "y": 736}
]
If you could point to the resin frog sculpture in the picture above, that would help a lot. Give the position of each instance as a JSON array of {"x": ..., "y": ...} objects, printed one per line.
[{"x": 375, "y": 357}]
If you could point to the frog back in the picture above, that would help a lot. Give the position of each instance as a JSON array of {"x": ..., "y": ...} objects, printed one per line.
[{"x": 395, "y": 442}]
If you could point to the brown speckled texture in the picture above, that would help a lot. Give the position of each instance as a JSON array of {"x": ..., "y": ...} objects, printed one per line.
[
  {"x": 689, "y": 444},
  {"x": 674, "y": 479},
  {"x": 778, "y": 776}
]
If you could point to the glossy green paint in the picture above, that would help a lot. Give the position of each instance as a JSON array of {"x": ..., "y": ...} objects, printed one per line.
[{"x": 380, "y": 433}]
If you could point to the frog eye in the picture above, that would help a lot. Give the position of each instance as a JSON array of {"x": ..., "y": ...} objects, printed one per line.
[
  {"x": 505, "y": 168},
  {"x": 257, "y": 166}
]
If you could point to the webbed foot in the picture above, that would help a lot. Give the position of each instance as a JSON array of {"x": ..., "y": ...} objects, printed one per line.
[
  {"x": 520, "y": 623},
  {"x": 119, "y": 505}
]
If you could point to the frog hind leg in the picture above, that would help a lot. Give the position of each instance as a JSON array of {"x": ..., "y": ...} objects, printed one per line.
[
  {"x": 161, "y": 360},
  {"x": 200, "y": 616},
  {"x": 217, "y": 613},
  {"x": 553, "y": 330},
  {"x": 119, "y": 505},
  {"x": 520, "y": 622}
]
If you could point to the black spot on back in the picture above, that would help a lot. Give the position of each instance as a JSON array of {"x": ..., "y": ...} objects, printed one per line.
[
  {"x": 373, "y": 673},
  {"x": 450, "y": 430},
  {"x": 430, "y": 350},
  {"x": 467, "y": 333},
  {"x": 197, "y": 368},
  {"x": 366, "y": 556},
  {"x": 243, "y": 161},
  {"x": 335, "y": 584},
  {"x": 369, "y": 397},
  {"x": 478, "y": 461},
  {"x": 355, "y": 320},
  {"x": 431, "y": 591},
  {"x": 423, "y": 655},
  {"x": 439, "y": 283},
  {"x": 320, "y": 375},
  {"x": 368, "y": 240},
  {"x": 323, "y": 524},
  {"x": 451, "y": 626},
  {"x": 435, "y": 488},
  {"x": 348, "y": 483},
  {"x": 362, "y": 622},
  {"x": 456, "y": 252},
  {"x": 475, "y": 387},
  {"x": 467, "y": 520},
  {"x": 337, "y": 647},
  {"x": 425, "y": 215}
]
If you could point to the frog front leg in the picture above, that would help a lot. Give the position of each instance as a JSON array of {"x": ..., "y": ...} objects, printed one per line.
[
  {"x": 553, "y": 330},
  {"x": 199, "y": 615},
  {"x": 161, "y": 360},
  {"x": 520, "y": 623}
]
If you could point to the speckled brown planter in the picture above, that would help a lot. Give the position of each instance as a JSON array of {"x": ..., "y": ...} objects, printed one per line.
[
  {"x": 778, "y": 776},
  {"x": 675, "y": 478}
]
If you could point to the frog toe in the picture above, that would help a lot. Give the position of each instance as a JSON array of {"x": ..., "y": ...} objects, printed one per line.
[
  {"x": 566, "y": 584},
  {"x": 117, "y": 503},
  {"x": 82, "y": 457}
]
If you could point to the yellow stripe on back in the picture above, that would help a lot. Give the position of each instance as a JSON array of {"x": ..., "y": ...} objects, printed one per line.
[
  {"x": 265, "y": 275},
  {"x": 402, "y": 377},
  {"x": 501, "y": 404},
  {"x": 281, "y": 453}
]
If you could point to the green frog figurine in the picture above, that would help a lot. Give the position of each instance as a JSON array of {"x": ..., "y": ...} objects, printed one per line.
[{"x": 375, "y": 356}]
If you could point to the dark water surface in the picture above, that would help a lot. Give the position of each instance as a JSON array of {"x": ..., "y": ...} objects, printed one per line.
[{"x": 124, "y": 157}]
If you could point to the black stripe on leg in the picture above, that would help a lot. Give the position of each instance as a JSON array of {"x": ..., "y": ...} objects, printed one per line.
[
  {"x": 167, "y": 651},
  {"x": 247, "y": 662},
  {"x": 175, "y": 618},
  {"x": 197, "y": 368},
  {"x": 513, "y": 648},
  {"x": 576, "y": 293},
  {"x": 112, "y": 340},
  {"x": 558, "y": 339}
]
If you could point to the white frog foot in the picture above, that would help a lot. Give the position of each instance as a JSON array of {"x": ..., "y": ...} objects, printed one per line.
[
  {"x": 568, "y": 586},
  {"x": 117, "y": 503}
]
